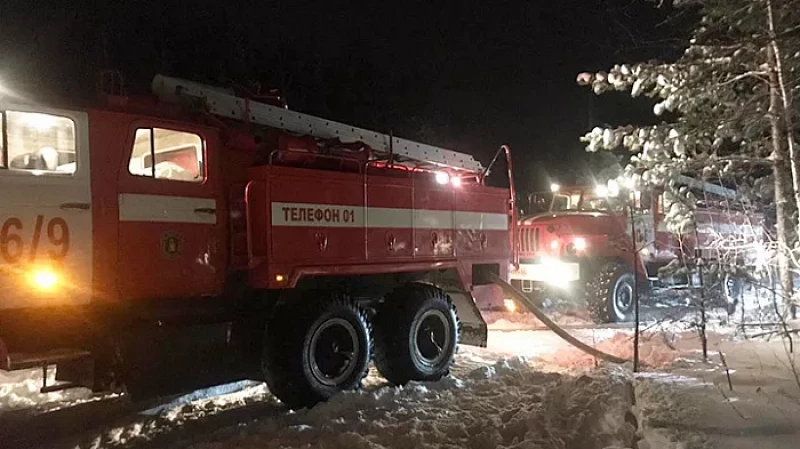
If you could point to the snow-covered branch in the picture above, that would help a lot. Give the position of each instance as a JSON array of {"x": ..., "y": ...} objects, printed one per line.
[
  {"x": 757, "y": 74},
  {"x": 726, "y": 110}
]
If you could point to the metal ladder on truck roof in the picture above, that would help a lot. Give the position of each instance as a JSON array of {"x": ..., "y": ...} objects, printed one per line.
[
  {"x": 706, "y": 187},
  {"x": 225, "y": 103}
]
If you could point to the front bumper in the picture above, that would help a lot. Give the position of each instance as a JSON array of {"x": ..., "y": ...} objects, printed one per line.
[{"x": 549, "y": 271}]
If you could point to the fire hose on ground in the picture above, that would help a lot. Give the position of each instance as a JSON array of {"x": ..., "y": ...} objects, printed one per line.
[{"x": 558, "y": 330}]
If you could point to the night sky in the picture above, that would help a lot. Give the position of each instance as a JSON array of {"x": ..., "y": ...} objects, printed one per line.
[{"x": 468, "y": 75}]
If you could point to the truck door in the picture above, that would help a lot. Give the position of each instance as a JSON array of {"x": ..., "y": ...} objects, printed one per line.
[
  {"x": 433, "y": 217},
  {"x": 171, "y": 220},
  {"x": 45, "y": 208},
  {"x": 390, "y": 217}
]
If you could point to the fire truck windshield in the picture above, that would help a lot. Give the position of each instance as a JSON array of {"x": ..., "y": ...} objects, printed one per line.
[{"x": 580, "y": 200}]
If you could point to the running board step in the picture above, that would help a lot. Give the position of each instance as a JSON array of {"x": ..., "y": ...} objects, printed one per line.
[{"x": 17, "y": 361}]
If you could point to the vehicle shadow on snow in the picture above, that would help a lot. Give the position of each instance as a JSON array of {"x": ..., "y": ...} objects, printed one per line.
[
  {"x": 177, "y": 421},
  {"x": 214, "y": 414},
  {"x": 119, "y": 422},
  {"x": 217, "y": 413},
  {"x": 210, "y": 415},
  {"x": 40, "y": 427}
]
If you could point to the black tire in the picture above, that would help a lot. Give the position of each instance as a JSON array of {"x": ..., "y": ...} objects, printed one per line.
[
  {"x": 609, "y": 295},
  {"x": 416, "y": 334},
  {"x": 315, "y": 349}
]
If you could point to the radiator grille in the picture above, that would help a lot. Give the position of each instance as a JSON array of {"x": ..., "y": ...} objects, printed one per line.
[{"x": 529, "y": 239}]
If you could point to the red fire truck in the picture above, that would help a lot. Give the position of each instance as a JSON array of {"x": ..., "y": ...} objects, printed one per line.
[
  {"x": 581, "y": 244},
  {"x": 154, "y": 244}
]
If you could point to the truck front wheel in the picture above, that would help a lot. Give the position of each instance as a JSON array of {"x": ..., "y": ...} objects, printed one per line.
[
  {"x": 610, "y": 294},
  {"x": 315, "y": 349},
  {"x": 416, "y": 334}
]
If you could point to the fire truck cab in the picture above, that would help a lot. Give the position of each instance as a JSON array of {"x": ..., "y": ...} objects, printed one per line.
[
  {"x": 199, "y": 235},
  {"x": 590, "y": 243}
]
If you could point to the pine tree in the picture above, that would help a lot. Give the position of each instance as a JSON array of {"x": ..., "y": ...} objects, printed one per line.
[{"x": 725, "y": 104}]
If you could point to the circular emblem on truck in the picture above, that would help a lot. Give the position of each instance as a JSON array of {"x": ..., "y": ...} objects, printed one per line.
[{"x": 171, "y": 245}]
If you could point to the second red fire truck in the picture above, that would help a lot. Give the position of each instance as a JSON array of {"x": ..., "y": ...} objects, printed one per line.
[{"x": 581, "y": 245}]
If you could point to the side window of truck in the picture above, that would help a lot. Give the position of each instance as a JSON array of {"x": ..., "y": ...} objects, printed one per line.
[
  {"x": 37, "y": 143},
  {"x": 167, "y": 154}
]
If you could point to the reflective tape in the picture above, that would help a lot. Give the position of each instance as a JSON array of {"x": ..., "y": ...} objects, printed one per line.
[{"x": 339, "y": 216}]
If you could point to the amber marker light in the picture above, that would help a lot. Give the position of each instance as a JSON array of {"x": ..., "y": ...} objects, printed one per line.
[{"x": 44, "y": 279}]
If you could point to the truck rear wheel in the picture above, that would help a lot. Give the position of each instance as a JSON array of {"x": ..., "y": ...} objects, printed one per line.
[
  {"x": 610, "y": 294},
  {"x": 316, "y": 349},
  {"x": 416, "y": 335}
]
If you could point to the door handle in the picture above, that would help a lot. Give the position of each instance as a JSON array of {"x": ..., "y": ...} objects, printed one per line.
[
  {"x": 322, "y": 240},
  {"x": 79, "y": 206},
  {"x": 205, "y": 210}
]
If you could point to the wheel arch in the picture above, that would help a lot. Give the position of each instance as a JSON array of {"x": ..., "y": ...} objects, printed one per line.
[
  {"x": 596, "y": 264},
  {"x": 370, "y": 289}
]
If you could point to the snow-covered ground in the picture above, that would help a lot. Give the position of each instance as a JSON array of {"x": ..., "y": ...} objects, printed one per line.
[
  {"x": 493, "y": 399},
  {"x": 684, "y": 402},
  {"x": 504, "y": 404},
  {"x": 20, "y": 389},
  {"x": 693, "y": 401},
  {"x": 528, "y": 389}
]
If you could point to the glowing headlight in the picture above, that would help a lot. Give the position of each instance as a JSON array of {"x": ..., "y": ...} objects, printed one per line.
[
  {"x": 510, "y": 305},
  {"x": 578, "y": 244},
  {"x": 44, "y": 279},
  {"x": 442, "y": 177},
  {"x": 558, "y": 273}
]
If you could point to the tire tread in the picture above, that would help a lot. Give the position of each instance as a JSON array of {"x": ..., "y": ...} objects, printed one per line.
[
  {"x": 282, "y": 363},
  {"x": 393, "y": 325}
]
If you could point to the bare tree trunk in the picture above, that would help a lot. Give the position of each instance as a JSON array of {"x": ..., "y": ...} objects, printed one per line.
[
  {"x": 784, "y": 207},
  {"x": 784, "y": 228},
  {"x": 778, "y": 82},
  {"x": 631, "y": 203},
  {"x": 785, "y": 171}
]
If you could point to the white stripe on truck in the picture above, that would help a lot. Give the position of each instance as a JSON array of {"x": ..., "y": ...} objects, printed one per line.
[
  {"x": 481, "y": 220},
  {"x": 166, "y": 209},
  {"x": 338, "y": 216},
  {"x": 177, "y": 209}
]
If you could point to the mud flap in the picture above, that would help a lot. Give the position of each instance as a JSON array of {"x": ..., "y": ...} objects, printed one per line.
[
  {"x": 79, "y": 372},
  {"x": 473, "y": 328},
  {"x": 172, "y": 360}
]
